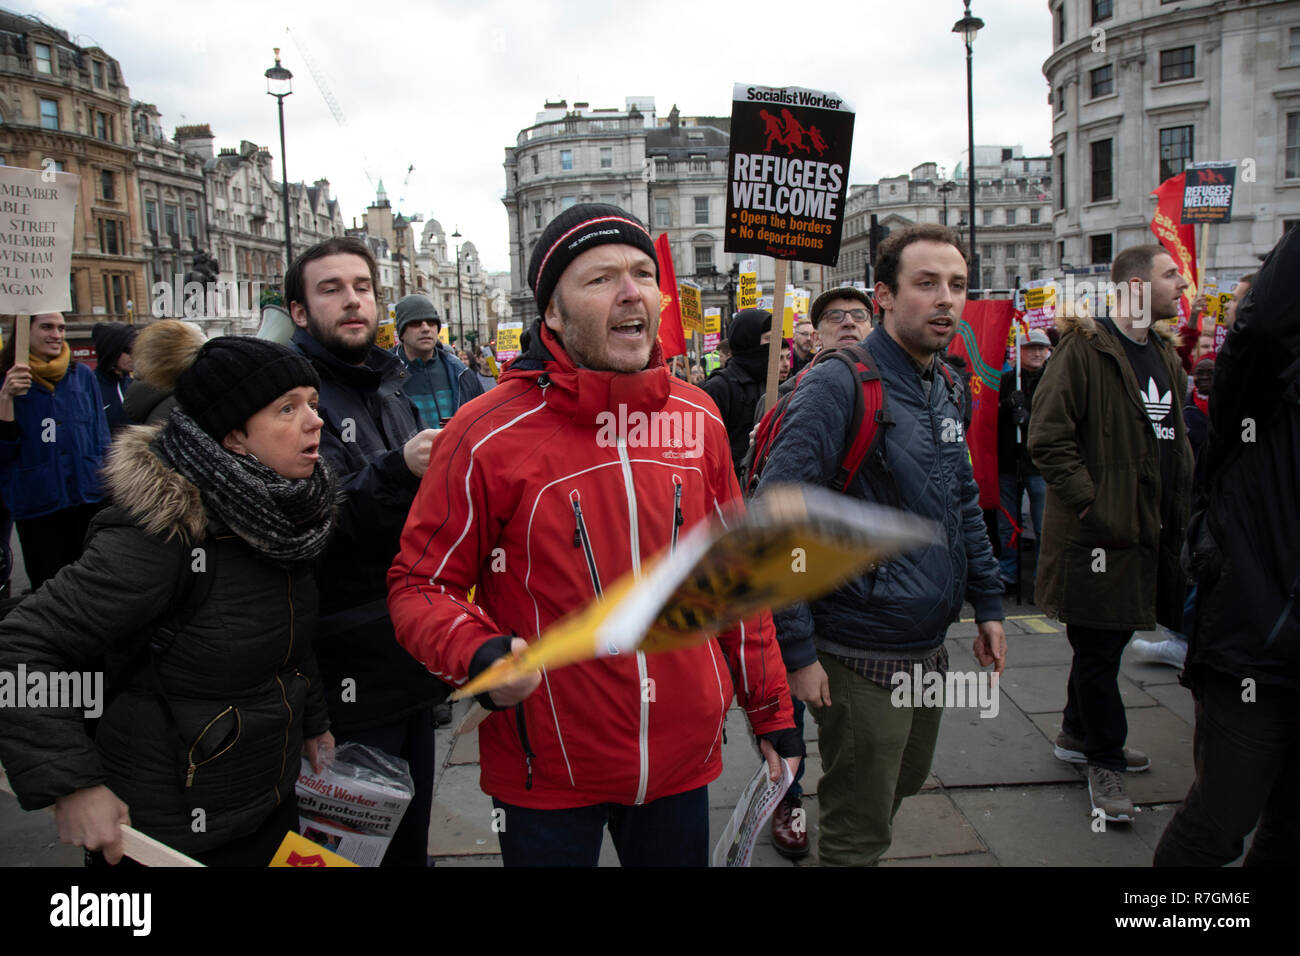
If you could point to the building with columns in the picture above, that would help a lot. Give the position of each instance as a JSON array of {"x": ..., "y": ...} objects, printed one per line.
[
  {"x": 1140, "y": 89},
  {"x": 173, "y": 197}
]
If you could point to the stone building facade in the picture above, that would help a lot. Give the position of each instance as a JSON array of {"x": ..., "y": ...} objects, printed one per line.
[
  {"x": 67, "y": 107},
  {"x": 1139, "y": 89},
  {"x": 172, "y": 195}
]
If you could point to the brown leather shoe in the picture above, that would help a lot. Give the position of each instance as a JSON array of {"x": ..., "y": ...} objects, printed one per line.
[{"x": 790, "y": 828}]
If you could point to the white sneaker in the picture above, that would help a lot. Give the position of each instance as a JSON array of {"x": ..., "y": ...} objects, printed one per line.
[{"x": 1170, "y": 651}]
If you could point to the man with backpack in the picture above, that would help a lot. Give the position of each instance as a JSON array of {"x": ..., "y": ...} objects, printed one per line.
[{"x": 880, "y": 421}]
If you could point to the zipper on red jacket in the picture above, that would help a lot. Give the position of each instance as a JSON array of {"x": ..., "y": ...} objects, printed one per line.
[
  {"x": 523, "y": 740},
  {"x": 581, "y": 540},
  {"x": 678, "y": 520}
]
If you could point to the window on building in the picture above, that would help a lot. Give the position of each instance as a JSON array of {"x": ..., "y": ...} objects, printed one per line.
[
  {"x": 97, "y": 71},
  {"x": 1058, "y": 18},
  {"x": 1103, "y": 185},
  {"x": 988, "y": 279},
  {"x": 701, "y": 210},
  {"x": 106, "y": 190},
  {"x": 1034, "y": 215},
  {"x": 537, "y": 213},
  {"x": 536, "y": 164},
  {"x": 703, "y": 258},
  {"x": 44, "y": 58},
  {"x": 1013, "y": 251},
  {"x": 609, "y": 199},
  {"x": 191, "y": 222},
  {"x": 567, "y": 202},
  {"x": 110, "y": 237},
  {"x": 151, "y": 216},
  {"x": 1060, "y": 252},
  {"x": 1060, "y": 181},
  {"x": 1035, "y": 250},
  {"x": 1102, "y": 10},
  {"x": 49, "y": 114},
  {"x": 1101, "y": 248},
  {"x": 607, "y": 157},
  {"x": 1293, "y": 145},
  {"x": 987, "y": 215},
  {"x": 986, "y": 252},
  {"x": 1175, "y": 150},
  {"x": 1103, "y": 80},
  {"x": 1011, "y": 216},
  {"x": 1060, "y": 99},
  {"x": 663, "y": 213},
  {"x": 237, "y": 194},
  {"x": 101, "y": 125},
  {"x": 1178, "y": 63},
  {"x": 566, "y": 159},
  {"x": 1293, "y": 45},
  {"x": 171, "y": 219}
]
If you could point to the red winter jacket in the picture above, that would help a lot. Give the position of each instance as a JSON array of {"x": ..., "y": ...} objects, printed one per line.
[{"x": 525, "y": 499}]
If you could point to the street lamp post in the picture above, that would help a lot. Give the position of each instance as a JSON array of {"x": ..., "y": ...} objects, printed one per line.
[
  {"x": 944, "y": 190},
  {"x": 460, "y": 311},
  {"x": 968, "y": 26},
  {"x": 279, "y": 83}
]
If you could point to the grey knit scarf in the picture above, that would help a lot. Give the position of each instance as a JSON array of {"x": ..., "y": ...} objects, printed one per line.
[{"x": 286, "y": 519}]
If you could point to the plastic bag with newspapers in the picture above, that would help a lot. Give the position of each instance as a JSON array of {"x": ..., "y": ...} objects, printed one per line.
[{"x": 353, "y": 806}]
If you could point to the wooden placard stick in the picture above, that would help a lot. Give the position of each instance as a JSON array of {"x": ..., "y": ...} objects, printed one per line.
[{"x": 774, "y": 345}]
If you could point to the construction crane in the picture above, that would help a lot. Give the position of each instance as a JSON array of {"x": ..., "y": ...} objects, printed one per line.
[
  {"x": 317, "y": 74},
  {"x": 405, "y": 183}
]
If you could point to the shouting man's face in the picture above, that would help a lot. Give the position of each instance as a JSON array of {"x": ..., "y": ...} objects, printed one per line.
[{"x": 605, "y": 308}]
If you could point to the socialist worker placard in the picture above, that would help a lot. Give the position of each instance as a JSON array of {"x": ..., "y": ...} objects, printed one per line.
[{"x": 788, "y": 172}]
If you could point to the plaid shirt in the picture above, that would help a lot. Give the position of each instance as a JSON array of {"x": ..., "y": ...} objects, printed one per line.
[{"x": 881, "y": 672}]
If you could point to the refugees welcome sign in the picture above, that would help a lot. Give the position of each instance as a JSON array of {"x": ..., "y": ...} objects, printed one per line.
[{"x": 788, "y": 172}]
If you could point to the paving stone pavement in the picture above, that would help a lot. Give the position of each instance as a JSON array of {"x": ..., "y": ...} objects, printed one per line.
[{"x": 996, "y": 796}]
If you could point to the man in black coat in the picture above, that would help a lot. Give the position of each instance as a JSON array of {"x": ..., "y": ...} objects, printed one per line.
[
  {"x": 1243, "y": 547},
  {"x": 738, "y": 385},
  {"x": 377, "y": 693},
  {"x": 113, "y": 367}
]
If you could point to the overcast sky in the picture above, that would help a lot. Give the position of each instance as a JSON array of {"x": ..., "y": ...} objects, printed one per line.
[{"x": 446, "y": 86}]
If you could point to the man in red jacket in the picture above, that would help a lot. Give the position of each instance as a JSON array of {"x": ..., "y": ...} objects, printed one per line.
[{"x": 585, "y": 460}]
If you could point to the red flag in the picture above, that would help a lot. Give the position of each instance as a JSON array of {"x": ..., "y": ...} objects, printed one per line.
[
  {"x": 982, "y": 340},
  {"x": 671, "y": 338},
  {"x": 1179, "y": 239}
]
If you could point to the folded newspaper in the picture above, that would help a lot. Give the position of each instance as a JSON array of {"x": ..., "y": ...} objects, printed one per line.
[
  {"x": 353, "y": 806},
  {"x": 793, "y": 543},
  {"x": 735, "y": 847}
]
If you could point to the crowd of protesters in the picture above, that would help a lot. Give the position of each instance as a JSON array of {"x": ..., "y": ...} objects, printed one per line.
[{"x": 388, "y": 524}]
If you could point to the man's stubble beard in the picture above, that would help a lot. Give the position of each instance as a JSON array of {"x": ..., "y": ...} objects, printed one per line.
[
  {"x": 353, "y": 355},
  {"x": 575, "y": 341}
]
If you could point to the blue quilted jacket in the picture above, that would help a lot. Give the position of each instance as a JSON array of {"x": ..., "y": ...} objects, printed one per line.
[{"x": 905, "y": 604}]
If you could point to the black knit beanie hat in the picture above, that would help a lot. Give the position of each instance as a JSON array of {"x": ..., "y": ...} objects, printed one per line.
[
  {"x": 572, "y": 233},
  {"x": 235, "y": 376}
]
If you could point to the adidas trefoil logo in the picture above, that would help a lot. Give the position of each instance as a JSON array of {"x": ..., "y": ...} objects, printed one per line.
[{"x": 1158, "y": 405}]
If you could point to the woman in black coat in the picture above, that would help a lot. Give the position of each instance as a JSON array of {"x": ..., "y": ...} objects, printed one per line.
[{"x": 195, "y": 597}]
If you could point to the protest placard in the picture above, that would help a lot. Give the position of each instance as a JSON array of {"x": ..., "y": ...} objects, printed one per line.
[
  {"x": 747, "y": 285},
  {"x": 508, "y": 340},
  {"x": 787, "y": 172},
  {"x": 712, "y": 329},
  {"x": 692, "y": 313},
  {"x": 37, "y": 208},
  {"x": 1207, "y": 192}
]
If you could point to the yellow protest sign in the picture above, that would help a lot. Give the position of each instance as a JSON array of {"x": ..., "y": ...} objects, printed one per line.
[
  {"x": 747, "y": 285},
  {"x": 795, "y": 543},
  {"x": 508, "y": 334},
  {"x": 297, "y": 850},
  {"x": 386, "y": 332},
  {"x": 692, "y": 314}
]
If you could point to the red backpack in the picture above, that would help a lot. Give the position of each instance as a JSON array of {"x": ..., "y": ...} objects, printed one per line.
[{"x": 868, "y": 415}]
